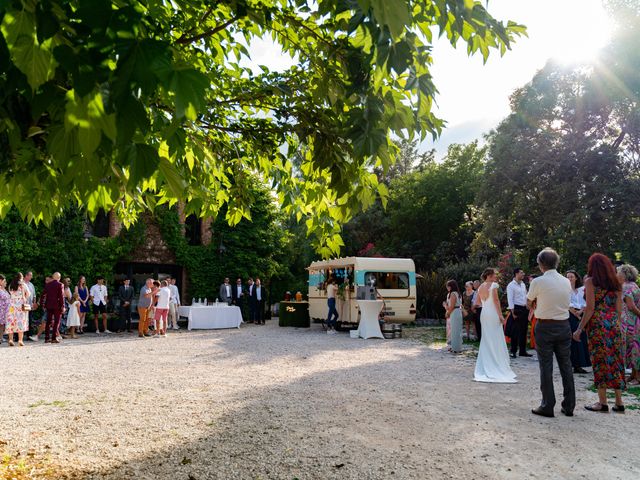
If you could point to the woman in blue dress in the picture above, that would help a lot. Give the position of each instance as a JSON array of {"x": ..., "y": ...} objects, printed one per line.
[{"x": 83, "y": 295}]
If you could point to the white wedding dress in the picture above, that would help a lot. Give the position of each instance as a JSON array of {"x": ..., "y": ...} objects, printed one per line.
[{"x": 493, "y": 357}]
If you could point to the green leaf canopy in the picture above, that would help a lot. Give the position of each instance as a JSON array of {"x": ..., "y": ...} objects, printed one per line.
[{"x": 128, "y": 105}]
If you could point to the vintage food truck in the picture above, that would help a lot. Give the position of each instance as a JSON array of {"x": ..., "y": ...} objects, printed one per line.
[{"x": 390, "y": 279}]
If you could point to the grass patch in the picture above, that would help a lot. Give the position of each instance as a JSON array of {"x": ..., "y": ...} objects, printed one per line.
[
  {"x": 16, "y": 467},
  {"x": 431, "y": 336},
  {"x": 436, "y": 337},
  {"x": 630, "y": 392},
  {"x": 55, "y": 403}
]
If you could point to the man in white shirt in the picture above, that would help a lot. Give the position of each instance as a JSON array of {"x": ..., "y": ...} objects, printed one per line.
[
  {"x": 32, "y": 301},
  {"x": 99, "y": 297},
  {"x": 174, "y": 304},
  {"x": 517, "y": 301},
  {"x": 163, "y": 299},
  {"x": 225, "y": 292},
  {"x": 259, "y": 297},
  {"x": 550, "y": 295}
]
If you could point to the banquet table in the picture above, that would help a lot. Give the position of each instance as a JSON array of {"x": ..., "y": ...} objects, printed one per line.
[
  {"x": 212, "y": 316},
  {"x": 369, "y": 326}
]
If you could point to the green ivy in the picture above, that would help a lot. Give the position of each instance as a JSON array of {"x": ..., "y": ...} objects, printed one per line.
[
  {"x": 62, "y": 247},
  {"x": 253, "y": 247}
]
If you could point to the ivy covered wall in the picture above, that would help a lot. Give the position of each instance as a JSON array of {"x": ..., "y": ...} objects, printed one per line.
[
  {"x": 259, "y": 247},
  {"x": 62, "y": 247}
]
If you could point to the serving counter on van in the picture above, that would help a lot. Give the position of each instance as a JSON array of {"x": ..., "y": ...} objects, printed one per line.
[{"x": 392, "y": 280}]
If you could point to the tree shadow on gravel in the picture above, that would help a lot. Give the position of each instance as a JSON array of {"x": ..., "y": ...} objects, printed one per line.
[{"x": 392, "y": 409}]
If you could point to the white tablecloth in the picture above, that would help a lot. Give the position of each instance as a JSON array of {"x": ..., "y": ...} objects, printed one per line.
[
  {"x": 369, "y": 326},
  {"x": 212, "y": 316}
]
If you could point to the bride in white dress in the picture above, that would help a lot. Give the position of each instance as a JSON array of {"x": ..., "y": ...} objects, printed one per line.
[{"x": 493, "y": 357}]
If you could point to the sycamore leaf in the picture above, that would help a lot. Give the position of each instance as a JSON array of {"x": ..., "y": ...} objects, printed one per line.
[
  {"x": 189, "y": 87},
  {"x": 172, "y": 177},
  {"x": 143, "y": 161},
  {"x": 392, "y": 13},
  {"x": 36, "y": 62}
]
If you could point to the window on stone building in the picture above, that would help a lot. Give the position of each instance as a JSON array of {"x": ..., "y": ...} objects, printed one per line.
[
  {"x": 193, "y": 230},
  {"x": 100, "y": 226}
]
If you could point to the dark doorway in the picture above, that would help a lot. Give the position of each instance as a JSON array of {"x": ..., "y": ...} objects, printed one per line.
[{"x": 139, "y": 272}]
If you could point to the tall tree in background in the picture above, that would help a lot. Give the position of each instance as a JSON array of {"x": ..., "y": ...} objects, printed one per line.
[
  {"x": 561, "y": 172},
  {"x": 127, "y": 105},
  {"x": 430, "y": 216}
]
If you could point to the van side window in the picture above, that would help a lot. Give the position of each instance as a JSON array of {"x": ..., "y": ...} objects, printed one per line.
[{"x": 388, "y": 280}]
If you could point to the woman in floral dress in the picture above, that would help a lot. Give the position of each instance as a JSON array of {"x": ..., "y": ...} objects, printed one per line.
[
  {"x": 628, "y": 274},
  {"x": 4, "y": 304},
  {"x": 18, "y": 317},
  {"x": 603, "y": 293}
]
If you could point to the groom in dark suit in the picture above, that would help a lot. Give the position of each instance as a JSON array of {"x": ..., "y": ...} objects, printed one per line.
[
  {"x": 238, "y": 296},
  {"x": 125, "y": 294}
]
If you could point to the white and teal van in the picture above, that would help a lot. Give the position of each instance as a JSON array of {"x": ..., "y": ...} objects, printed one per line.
[{"x": 392, "y": 279}]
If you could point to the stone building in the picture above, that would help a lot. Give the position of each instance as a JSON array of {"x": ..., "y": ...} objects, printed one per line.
[{"x": 153, "y": 258}]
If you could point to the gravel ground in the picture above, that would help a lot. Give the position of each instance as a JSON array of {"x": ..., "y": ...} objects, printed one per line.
[{"x": 284, "y": 403}]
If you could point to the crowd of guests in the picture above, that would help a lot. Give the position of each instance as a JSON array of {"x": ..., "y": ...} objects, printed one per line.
[
  {"x": 61, "y": 312},
  {"x": 250, "y": 298},
  {"x": 603, "y": 317}
]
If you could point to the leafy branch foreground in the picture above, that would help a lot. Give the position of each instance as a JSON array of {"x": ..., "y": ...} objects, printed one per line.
[{"x": 130, "y": 105}]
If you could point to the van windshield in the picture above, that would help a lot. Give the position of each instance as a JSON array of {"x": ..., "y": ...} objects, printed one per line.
[{"x": 387, "y": 280}]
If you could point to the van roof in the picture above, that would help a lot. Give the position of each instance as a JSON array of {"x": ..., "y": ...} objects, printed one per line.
[{"x": 367, "y": 263}]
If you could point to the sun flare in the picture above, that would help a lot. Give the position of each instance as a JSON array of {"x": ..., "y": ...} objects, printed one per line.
[{"x": 586, "y": 32}]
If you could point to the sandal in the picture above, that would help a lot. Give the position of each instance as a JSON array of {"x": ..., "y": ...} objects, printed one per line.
[
  {"x": 618, "y": 408},
  {"x": 11, "y": 343},
  {"x": 597, "y": 407}
]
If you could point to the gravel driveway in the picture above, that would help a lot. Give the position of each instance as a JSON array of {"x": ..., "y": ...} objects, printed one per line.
[{"x": 283, "y": 403}]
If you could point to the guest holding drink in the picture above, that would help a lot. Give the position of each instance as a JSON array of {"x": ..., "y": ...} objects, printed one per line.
[
  {"x": 601, "y": 319},
  {"x": 577, "y": 304},
  {"x": 454, "y": 315},
  {"x": 628, "y": 274}
]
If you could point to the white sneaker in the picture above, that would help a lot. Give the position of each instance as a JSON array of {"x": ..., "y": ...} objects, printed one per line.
[
  {"x": 59, "y": 338},
  {"x": 97, "y": 332},
  {"x": 107, "y": 331},
  {"x": 176, "y": 327},
  {"x": 34, "y": 338}
]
